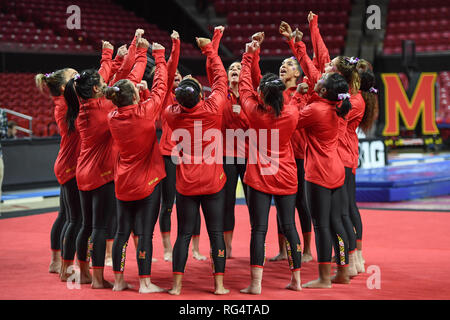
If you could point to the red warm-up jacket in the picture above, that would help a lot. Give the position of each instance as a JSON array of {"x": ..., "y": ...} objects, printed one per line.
[
  {"x": 348, "y": 139},
  {"x": 140, "y": 166},
  {"x": 200, "y": 170},
  {"x": 274, "y": 171},
  {"x": 323, "y": 166},
  {"x": 69, "y": 147}
]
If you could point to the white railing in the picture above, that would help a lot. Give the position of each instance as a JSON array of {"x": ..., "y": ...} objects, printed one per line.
[{"x": 28, "y": 131}]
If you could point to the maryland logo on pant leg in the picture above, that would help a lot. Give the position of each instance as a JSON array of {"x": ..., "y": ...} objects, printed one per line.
[
  {"x": 124, "y": 254},
  {"x": 341, "y": 251},
  {"x": 289, "y": 254},
  {"x": 142, "y": 255},
  {"x": 221, "y": 253},
  {"x": 89, "y": 249}
]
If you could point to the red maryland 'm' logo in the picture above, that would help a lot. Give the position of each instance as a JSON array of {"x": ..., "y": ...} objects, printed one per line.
[{"x": 397, "y": 104}]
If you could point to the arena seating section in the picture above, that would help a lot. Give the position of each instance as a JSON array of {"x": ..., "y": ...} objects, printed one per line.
[
  {"x": 26, "y": 25},
  {"x": 426, "y": 22},
  {"x": 245, "y": 17},
  {"x": 41, "y": 25}
]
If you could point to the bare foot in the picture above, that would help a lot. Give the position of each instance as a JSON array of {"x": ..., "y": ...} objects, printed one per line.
[
  {"x": 150, "y": 288},
  {"x": 121, "y": 286},
  {"x": 340, "y": 279},
  {"x": 103, "y": 285},
  {"x": 252, "y": 289},
  {"x": 65, "y": 275},
  {"x": 319, "y": 283},
  {"x": 279, "y": 257},
  {"x": 108, "y": 262},
  {"x": 197, "y": 256},
  {"x": 306, "y": 257},
  {"x": 168, "y": 256},
  {"x": 221, "y": 291},
  {"x": 85, "y": 278},
  {"x": 55, "y": 267},
  {"x": 294, "y": 285},
  {"x": 175, "y": 291}
]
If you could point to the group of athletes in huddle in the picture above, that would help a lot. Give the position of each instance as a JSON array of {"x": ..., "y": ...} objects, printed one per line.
[{"x": 116, "y": 177}]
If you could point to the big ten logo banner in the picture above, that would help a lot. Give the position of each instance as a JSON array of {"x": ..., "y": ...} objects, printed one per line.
[
  {"x": 372, "y": 153},
  {"x": 405, "y": 109}
]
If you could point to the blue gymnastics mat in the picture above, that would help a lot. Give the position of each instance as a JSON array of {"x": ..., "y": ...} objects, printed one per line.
[
  {"x": 398, "y": 183},
  {"x": 53, "y": 192}
]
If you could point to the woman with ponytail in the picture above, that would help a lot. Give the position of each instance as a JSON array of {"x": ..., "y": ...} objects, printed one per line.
[
  {"x": 325, "y": 175},
  {"x": 89, "y": 109},
  {"x": 67, "y": 224},
  {"x": 200, "y": 178},
  {"x": 266, "y": 177},
  {"x": 138, "y": 171}
]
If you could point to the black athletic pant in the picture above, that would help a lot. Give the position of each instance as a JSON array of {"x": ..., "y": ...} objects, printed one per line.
[
  {"x": 59, "y": 225},
  {"x": 98, "y": 208},
  {"x": 168, "y": 192},
  {"x": 234, "y": 168},
  {"x": 187, "y": 212},
  {"x": 300, "y": 200},
  {"x": 71, "y": 199},
  {"x": 259, "y": 207},
  {"x": 325, "y": 206},
  {"x": 355, "y": 216},
  {"x": 348, "y": 224},
  {"x": 139, "y": 216}
]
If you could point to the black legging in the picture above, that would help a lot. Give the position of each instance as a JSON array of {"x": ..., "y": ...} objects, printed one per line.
[
  {"x": 355, "y": 216},
  {"x": 300, "y": 201},
  {"x": 140, "y": 217},
  {"x": 71, "y": 199},
  {"x": 98, "y": 207},
  {"x": 234, "y": 168},
  {"x": 187, "y": 212},
  {"x": 168, "y": 192},
  {"x": 59, "y": 225},
  {"x": 348, "y": 224},
  {"x": 259, "y": 207},
  {"x": 325, "y": 206}
]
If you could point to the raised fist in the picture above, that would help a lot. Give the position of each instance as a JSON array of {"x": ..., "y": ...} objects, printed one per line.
[
  {"x": 157, "y": 46},
  {"x": 201, "y": 42},
  {"x": 107, "y": 45},
  {"x": 143, "y": 43}
]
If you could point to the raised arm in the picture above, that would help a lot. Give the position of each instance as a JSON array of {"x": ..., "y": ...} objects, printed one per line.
[
  {"x": 153, "y": 105},
  {"x": 117, "y": 62},
  {"x": 217, "y": 36},
  {"x": 247, "y": 94},
  {"x": 137, "y": 73},
  {"x": 256, "y": 70},
  {"x": 172, "y": 64},
  {"x": 130, "y": 59},
  {"x": 321, "y": 54},
  {"x": 218, "y": 96},
  {"x": 106, "y": 61}
]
